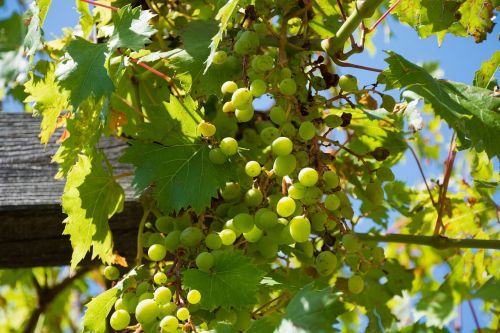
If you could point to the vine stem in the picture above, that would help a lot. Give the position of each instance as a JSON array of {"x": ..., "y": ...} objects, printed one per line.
[
  {"x": 140, "y": 245},
  {"x": 474, "y": 315},
  {"x": 448, "y": 166},
  {"x": 384, "y": 16},
  {"x": 98, "y": 4},
  {"x": 438, "y": 242},
  {"x": 419, "y": 165}
]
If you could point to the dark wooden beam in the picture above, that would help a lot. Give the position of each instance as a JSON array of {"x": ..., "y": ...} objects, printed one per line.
[{"x": 30, "y": 212}]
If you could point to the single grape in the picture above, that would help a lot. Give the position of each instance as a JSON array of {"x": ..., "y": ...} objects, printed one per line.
[
  {"x": 229, "y": 87},
  {"x": 165, "y": 224},
  {"x": 285, "y": 73},
  {"x": 378, "y": 254},
  {"x": 130, "y": 301},
  {"x": 277, "y": 115},
  {"x": 267, "y": 247},
  {"x": 228, "y": 107},
  {"x": 288, "y": 130},
  {"x": 182, "y": 314},
  {"x": 307, "y": 130},
  {"x": 247, "y": 43},
  {"x": 375, "y": 193},
  {"x": 160, "y": 278},
  {"x": 348, "y": 83},
  {"x": 229, "y": 146},
  {"x": 226, "y": 315},
  {"x": 355, "y": 284},
  {"x": 243, "y": 222},
  {"x": 253, "y": 235},
  {"x": 244, "y": 115},
  {"x": 206, "y": 129},
  {"x": 216, "y": 156},
  {"x": 191, "y": 236},
  {"x": 252, "y": 168},
  {"x": 227, "y": 236},
  {"x": 285, "y": 207},
  {"x": 169, "y": 324},
  {"x": 260, "y": 28},
  {"x": 146, "y": 311},
  {"x": 172, "y": 240},
  {"x": 231, "y": 191},
  {"x": 318, "y": 221},
  {"x": 297, "y": 191},
  {"x": 288, "y": 87},
  {"x": 306, "y": 247},
  {"x": 205, "y": 261},
  {"x": 351, "y": 243},
  {"x": 326, "y": 262},
  {"x": 119, "y": 305},
  {"x": 167, "y": 309},
  {"x": 333, "y": 121},
  {"x": 385, "y": 174},
  {"x": 282, "y": 146},
  {"x": 258, "y": 87},
  {"x": 162, "y": 295},
  {"x": 332, "y": 202},
  {"x": 300, "y": 228},
  {"x": 331, "y": 179},
  {"x": 219, "y": 58},
  {"x": 194, "y": 296},
  {"x": 284, "y": 165},
  {"x": 269, "y": 134},
  {"x": 244, "y": 320},
  {"x": 119, "y": 320},
  {"x": 146, "y": 295},
  {"x": 213, "y": 241},
  {"x": 253, "y": 197},
  {"x": 157, "y": 252},
  {"x": 308, "y": 177},
  {"x": 262, "y": 63},
  {"x": 266, "y": 218},
  {"x": 241, "y": 97},
  {"x": 111, "y": 273}
]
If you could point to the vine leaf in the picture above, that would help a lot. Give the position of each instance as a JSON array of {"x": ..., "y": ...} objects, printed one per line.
[
  {"x": 477, "y": 18},
  {"x": 182, "y": 175},
  {"x": 94, "y": 320},
  {"x": 312, "y": 310},
  {"x": 91, "y": 196},
  {"x": 224, "y": 17},
  {"x": 471, "y": 111},
  {"x": 437, "y": 307},
  {"x": 86, "y": 18},
  {"x": 232, "y": 282},
  {"x": 83, "y": 73},
  {"x": 131, "y": 28},
  {"x": 11, "y": 33},
  {"x": 485, "y": 76}
]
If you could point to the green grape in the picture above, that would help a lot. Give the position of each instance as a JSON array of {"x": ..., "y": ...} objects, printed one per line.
[
  {"x": 385, "y": 174},
  {"x": 172, "y": 240},
  {"x": 277, "y": 115},
  {"x": 130, "y": 301},
  {"x": 157, "y": 252},
  {"x": 284, "y": 165},
  {"x": 260, "y": 28},
  {"x": 229, "y": 146},
  {"x": 333, "y": 121},
  {"x": 119, "y": 305},
  {"x": 253, "y": 235},
  {"x": 285, "y": 73},
  {"x": 288, "y": 87},
  {"x": 216, "y": 156},
  {"x": 302, "y": 158},
  {"x": 160, "y": 278},
  {"x": 223, "y": 315},
  {"x": 146, "y": 295},
  {"x": 285, "y": 207},
  {"x": 146, "y": 311},
  {"x": 348, "y": 83},
  {"x": 282, "y": 146},
  {"x": 182, "y": 314},
  {"x": 269, "y": 134},
  {"x": 167, "y": 309},
  {"x": 243, "y": 222},
  {"x": 165, "y": 224},
  {"x": 258, "y": 87},
  {"x": 241, "y": 97},
  {"x": 326, "y": 263},
  {"x": 266, "y": 218},
  {"x": 306, "y": 247},
  {"x": 288, "y": 130},
  {"x": 332, "y": 202},
  {"x": 252, "y": 168},
  {"x": 213, "y": 241},
  {"x": 229, "y": 87},
  {"x": 300, "y": 228},
  {"x": 307, "y": 131},
  {"x": 227, "y": 236},
  {"x": 237, "y": 209},
  {"x": 267, "y": 247},
  {"x": 318, "y": 221},
  {"x": 155, "y": 238},
  {"x": 191, "y": 236},
  {"x": 365, "y": 267},
  {"x": 297, "y": 191},
  {"x": 244, "y": 320},
  {"x": 142, "y": 288},
  {"x": 205, "y": 261},
  {"x": 119, "y": 320},
  {"x": 351, "y": 243},
  {"x": 228, "y": 107},
  {"x": 247, "y": 43},
  {"x": 308, "y": 177},
  {"x": 375, "y": 193},
  {"x": 219, "y": 58},
  {"x": 331, "y": 179},
  {"x": 194, "y": 296},
  {"x": 378, "y": 254},
  {"x": 262, "y": 63},
  {"x": 352, "y": 260},
  {"x": 162, "y": 295},
  {"x": 355, "y": 284},
  {"x": 253, "y": 197},
  {"x": 244, "y": 115},
  {"x": 206, "y": 129},
  {"x": 169, "y": 324},
  {"x": 231, "y": 191},
  {"x": 111, "y": 273},
  {"x": 285, "y": 236},
  {"x": 312, "y": 196}
]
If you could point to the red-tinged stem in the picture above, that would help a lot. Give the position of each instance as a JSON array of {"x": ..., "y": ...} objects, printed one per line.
[
  {"x": 98, "y": 4},
  {"x": 448, "y": 166},
  {"x": 384, "y": 16},
  {"x": 347, "y": 64},
  {"x": 151, "y": 69},
  {"x": 476, "y": 321},
  {"x": 422, "y": 173}
]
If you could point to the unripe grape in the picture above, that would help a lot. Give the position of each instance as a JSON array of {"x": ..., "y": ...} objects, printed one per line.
[
  {"x": 244, "y": 320},
  {"x": 241, "y": 97},
  {"x": 219, "y": 58},
  {"x": 182, "y": 314},
  {"x": 333, "y": 121},
  {"x": 228, "y": 107},
  {"x": 229, "y": 87},
  {"x": 252, "y": 168},
  {"x": 130, "y": 301},
  {"x": 172, "y": 240},
  {"x": 205, "y": 261},
  {"x": 266, "y": 218},
  {"x": 288, "y": 87},
  {"x": 332, "y": 202},
  {"x": 297, "y": 191},
  {"x": 331, "y": 179},
  {"x": 312, "y": 196},
  {"x": 169, "y": 324},
  {"x": 258, "y": 87},
  {"x": 216, "y": 156},
  {"x": 355, "y": 284},
  {"x": 326, "y": 263},
  {"x": 194, "y": 296},
  {"x": 307, "y": 131},
  {"x": 229, "y": 146},
  {"x": 231, "y": 191},
  {"x": 318, "y": 221},
  {"x": 267, "y": 247},
  {"x": 385, "y": 174},
  {"x": 262, "y": 63},
  {"x": 247, "y": 43},
  {"x": 227, "y": 236},
  {"x": 285, "y": 73},
  {"x": 378, "y": 254},
  {"x": 351, "y": 243},
  {"x": 145, "y": 295},
  {"x": 285, "y": 206},
  {"x": 225, "y": 315},
  {"x": 277, "y": 115},
  {"x": 162, "y": 295},
  {"x": 282, "y": 146},
  {"x": 243, "y": 222},
  {"x": 269, "y": 134},
  {"x": 260, "y": 28},
  {"x": 375, "y": 193},
  {"x": 284, "y": 165},
  {"x": 191, "y": 236},
  {"x": 300, "y": 228},
  {"x": 244, "y": 115},
  {"x": 348, "y": 83},
  {"x": 111, "y": 273},
  {"x": 167, "y": 309},
  {"x": 146, "y": 311},
  {"x": 160, "y": 278},
  {"x": 306, "y": 247},
  {"x": 206, "y": 129},
  {"x": 157, "y": 252},
  {"x": 119, "y": 320},
  {"x": 253, "y": 197},
  {"x": 308, "y": 177},
  {"x": 288, "y": 130},
  {"x": 253, "y": 235},
  {"x": 165, "y": 224}
]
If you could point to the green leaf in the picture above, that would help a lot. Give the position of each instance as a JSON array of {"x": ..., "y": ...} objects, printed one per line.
[
  {"x": 91, "y": 196},
  {"x": 86, "y": 19},
  {"x": 471, "y": 111},
  {"x": 35, "y": 15},
  {"x": 95, "y": 318},
  {"x": 224, "y": 17},
  {"x": 131, "y": 28},
  {"x": 83, "y": 73},
  {"x": 312, "y": 310},
  {"x": 490, "y": 291},
  {"x": 477, "y": 18},
  {"x": 261, "y": 326},
  {"x": 437, "y": 307},
  {"x": 171, "y": 168},
  {"x": 11, "y": 33},
  {"x": 232, "y": 282},
  {"x": 10, "y": 62},
  {"x": 185, "y": 118},
  {"x": 485, "y": 76}
]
